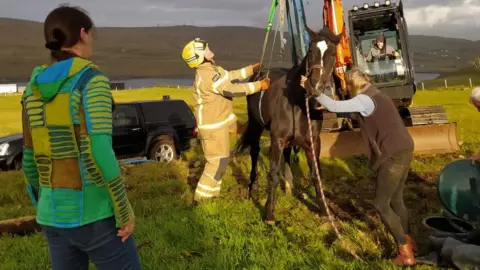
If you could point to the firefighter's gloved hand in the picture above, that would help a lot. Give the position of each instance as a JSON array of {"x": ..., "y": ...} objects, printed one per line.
[
  {"x": 258, "y": 67},
  {"x": 265, "y": 83}
]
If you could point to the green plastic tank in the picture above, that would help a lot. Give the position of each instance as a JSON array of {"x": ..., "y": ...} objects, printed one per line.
[{"x": 459, "y": 189}]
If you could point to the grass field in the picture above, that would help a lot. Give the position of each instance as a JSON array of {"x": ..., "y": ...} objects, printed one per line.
[{"x": 229, "y": 233}]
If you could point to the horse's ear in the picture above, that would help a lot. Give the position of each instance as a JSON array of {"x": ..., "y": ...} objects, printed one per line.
[
  {"x": 311, "y": 33},
  {"x": 337, "y": 39}
]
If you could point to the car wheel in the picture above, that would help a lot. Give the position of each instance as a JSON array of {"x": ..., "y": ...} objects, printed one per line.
[
  {"x": 163, "y": 150},
  {"x": 17, "y": 163}
]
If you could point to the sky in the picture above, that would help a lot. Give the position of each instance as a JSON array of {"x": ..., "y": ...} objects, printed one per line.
[{"x": 449, "y": 18}]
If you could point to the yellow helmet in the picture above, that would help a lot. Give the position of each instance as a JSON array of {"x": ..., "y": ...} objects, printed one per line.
[{"x": 194, "y": 52}]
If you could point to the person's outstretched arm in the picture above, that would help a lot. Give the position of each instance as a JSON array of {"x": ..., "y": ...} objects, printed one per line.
[
  {"x": 28, "y": 161},
  {"x": 243, "y": 73},
  {"x": 362, "y": 104},
  {"x": 97, "y": 100},
  {"x": 222, "y": 85},
  {"x": 369, "y": 56}
]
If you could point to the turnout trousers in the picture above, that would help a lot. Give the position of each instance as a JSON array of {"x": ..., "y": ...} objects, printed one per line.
[{"x": 216, "y": 148}]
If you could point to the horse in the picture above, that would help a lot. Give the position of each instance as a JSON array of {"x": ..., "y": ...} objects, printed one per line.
[{"x": 282, "y": 111}]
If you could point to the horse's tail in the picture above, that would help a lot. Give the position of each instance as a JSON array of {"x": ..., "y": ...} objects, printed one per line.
[
  {"x": 246, "y": 140},
  {"x": 253, "y": 131}
]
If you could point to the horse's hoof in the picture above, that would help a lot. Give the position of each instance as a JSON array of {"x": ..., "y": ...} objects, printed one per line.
[{"x": 270, "y": 222}]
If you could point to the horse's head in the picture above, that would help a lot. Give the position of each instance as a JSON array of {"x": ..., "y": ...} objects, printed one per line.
[{"x": 320, "y": 60}]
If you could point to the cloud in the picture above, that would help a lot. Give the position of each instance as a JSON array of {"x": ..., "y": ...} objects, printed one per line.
[
  {"x": 459, "y": 19},
  {"x": 465, "y": 13}
]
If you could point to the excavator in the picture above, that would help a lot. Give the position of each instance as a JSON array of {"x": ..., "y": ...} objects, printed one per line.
[{"x": 395, "y": 76}]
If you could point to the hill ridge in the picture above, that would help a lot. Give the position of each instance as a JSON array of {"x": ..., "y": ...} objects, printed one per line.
[{"x": 131, "y": 52}]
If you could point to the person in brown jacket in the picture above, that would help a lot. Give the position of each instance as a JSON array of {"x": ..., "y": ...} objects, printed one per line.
[
  {"x": 390, "y": 150},
  {"x": 213, "y": 94}
]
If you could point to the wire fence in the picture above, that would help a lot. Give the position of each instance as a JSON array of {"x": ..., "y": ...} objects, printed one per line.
[
  {"x": 448, "y": 83},
  {"x": 464, "y": 82}
]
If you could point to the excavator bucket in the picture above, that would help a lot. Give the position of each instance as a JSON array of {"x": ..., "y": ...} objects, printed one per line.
[{"x": 428, "y": 139}]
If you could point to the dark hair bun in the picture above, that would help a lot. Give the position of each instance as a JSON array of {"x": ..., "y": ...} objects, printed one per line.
[
  {"x": 53, "y": 46},
  {"x": 58, "y": 34}
]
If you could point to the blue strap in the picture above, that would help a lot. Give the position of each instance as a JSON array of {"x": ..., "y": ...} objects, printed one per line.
[
  {"x": 260, "y": 106},
  {"x": 85, "y": 78}
]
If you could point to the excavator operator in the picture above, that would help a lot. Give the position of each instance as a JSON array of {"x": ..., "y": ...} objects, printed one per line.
[
  {"x": 380, "y": 50},
  {"x": 213, "y": 94}
]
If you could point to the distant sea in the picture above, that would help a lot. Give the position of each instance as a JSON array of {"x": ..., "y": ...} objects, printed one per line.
[{"x": 149, "y": 82}]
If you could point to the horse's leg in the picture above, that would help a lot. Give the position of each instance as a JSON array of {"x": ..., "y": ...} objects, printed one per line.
[
  {"x": 255, "y": 136},
  {"x": 287, "y": 171},
  {"x": 273, "y": 179}
]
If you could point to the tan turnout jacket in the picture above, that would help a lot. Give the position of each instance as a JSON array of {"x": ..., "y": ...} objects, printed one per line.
[{"x": 214, "y": 92}]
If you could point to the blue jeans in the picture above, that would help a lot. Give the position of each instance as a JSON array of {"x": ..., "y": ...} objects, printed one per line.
[{"x": 72, "y": 248}]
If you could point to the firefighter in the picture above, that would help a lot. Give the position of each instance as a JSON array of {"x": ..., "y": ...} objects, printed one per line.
[{"x": 213, "y": 94}]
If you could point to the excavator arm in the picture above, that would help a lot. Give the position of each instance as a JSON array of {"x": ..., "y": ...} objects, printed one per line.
[{"x": 333, "y": 18}]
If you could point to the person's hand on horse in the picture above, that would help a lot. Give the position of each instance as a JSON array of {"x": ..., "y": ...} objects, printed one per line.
[
  {"x": 319, "y": 108},
  {"x": 127, "y": 229},
  {"x": 265, "y": 83}
]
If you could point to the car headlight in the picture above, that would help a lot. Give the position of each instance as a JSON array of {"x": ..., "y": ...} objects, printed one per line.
[{"x": 3, "y": 149}]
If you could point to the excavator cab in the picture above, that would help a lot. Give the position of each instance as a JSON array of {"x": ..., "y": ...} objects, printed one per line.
[
  {"x": 390, "y": 66},
  {"x": 379, "y": 42}
]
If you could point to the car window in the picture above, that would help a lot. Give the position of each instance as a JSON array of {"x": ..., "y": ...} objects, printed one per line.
[
  {"x": 167, "y": 111},
  {"x": 125, "y": 115}
]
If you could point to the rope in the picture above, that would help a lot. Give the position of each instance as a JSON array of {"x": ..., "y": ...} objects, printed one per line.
[
  {"x": 317, "y": 171},
  {"x": 273, "y": 46},
  {"x": 264, "y": 45},
  {"x": 269, "y": 26}
]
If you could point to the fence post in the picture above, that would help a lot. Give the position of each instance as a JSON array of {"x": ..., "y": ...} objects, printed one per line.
[
  {"x": 446, "y": 85},
  {"x": 470, "y": 81},
  {"x": 423, "y": 86}
]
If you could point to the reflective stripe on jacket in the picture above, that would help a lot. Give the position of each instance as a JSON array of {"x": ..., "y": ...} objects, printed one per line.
[{"x": 214, "y": 92}]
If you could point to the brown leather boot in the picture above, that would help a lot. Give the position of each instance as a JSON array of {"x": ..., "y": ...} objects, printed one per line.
[
  {"x": 411, "y": 242},
  {"x": 405, "y": 256}
]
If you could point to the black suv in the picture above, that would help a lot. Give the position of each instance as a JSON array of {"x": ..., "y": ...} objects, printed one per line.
[{"x": 158, "y": 130}]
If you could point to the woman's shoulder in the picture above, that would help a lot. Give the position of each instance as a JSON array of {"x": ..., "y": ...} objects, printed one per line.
[{"x": 93, "y": 74}]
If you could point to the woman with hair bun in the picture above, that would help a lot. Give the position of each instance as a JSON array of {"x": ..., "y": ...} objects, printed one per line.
[{"x": 71, "y": 171}]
